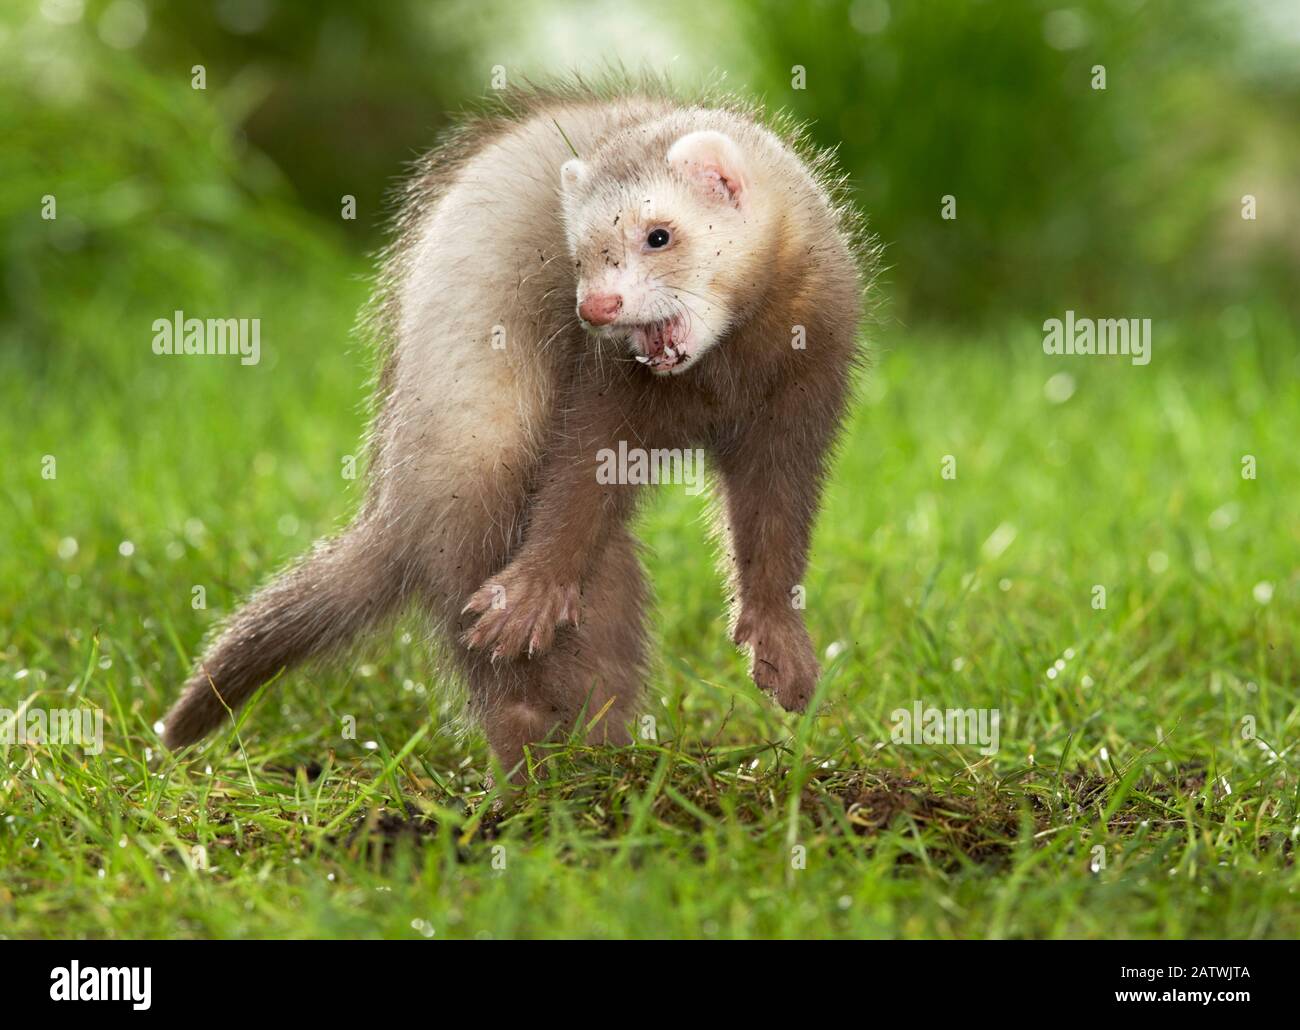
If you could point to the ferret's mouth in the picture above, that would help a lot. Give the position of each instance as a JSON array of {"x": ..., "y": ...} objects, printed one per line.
[{"x": 661, "y": 346}]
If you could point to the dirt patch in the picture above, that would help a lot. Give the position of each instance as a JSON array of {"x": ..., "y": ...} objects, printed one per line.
[
  {"x": 981, "y": 819},
  {"x": 978, "y": 825},
  {"x": 389, "y": 827},
  {"x": 383, "y": 830}
]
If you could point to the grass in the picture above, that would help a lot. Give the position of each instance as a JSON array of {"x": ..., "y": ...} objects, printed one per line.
[
  {"x": 1121, "y": 728},
  {"x": 1145, "y": 783}
]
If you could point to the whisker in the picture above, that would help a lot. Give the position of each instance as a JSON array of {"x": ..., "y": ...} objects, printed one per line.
[{"x": 708, "y": 298}]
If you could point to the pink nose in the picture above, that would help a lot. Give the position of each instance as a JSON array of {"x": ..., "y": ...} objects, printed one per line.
[{"x": 600, "y": 308}]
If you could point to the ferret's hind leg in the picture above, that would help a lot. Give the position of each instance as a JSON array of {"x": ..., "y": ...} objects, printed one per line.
[{"x": 600, "y": 663}]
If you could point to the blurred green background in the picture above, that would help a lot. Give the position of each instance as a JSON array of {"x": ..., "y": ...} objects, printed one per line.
[{"x": 1126, "y": 200}]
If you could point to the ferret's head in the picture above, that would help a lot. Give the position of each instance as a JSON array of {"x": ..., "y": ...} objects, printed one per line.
[{"x": 664, "y": 247}]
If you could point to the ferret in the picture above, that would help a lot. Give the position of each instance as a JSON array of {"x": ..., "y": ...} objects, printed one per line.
[{"x": 579, "y": 268}]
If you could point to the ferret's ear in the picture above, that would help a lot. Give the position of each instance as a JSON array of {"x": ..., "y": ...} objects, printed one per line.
[
  {"x": 712, "y": 161},
  {"x": 573, "y": 173}
]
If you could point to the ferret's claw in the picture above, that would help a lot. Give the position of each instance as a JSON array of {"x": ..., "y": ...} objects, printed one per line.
[
  {"x": 480, "y": 600},
  {"x": 528, "y": 627}
]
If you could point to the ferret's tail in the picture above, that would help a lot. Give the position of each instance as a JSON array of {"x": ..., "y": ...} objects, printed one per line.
[{"x": 318, "y": 605}]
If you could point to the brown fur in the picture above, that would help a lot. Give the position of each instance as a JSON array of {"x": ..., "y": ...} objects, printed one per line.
[{"x": 505, "y": 502}]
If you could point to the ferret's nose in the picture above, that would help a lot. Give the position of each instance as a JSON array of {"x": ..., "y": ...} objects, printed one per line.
[{"x": 600, "y": 308}]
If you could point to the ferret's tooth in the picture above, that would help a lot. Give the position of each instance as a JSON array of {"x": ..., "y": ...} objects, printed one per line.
[
  {"x": 670, "y": 352},
  {"x": 643, "y": 359}
]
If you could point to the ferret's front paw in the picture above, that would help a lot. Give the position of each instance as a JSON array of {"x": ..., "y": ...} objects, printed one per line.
[
  {"x": 783, "y": 664},
  {"x": 519, "y": 611}
]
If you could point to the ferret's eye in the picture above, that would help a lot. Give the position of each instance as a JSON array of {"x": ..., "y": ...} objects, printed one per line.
[{"x": 658, "y": 239}]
